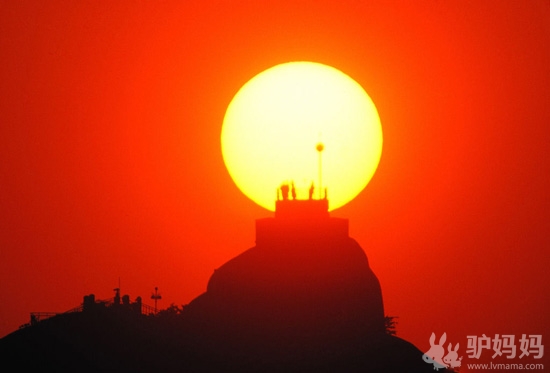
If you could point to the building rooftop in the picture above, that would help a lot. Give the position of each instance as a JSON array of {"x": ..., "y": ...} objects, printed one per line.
[{"x": 298, "y": 220}]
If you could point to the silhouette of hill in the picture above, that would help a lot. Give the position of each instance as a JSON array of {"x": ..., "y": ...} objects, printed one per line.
[{"x": 304, "y": 299}]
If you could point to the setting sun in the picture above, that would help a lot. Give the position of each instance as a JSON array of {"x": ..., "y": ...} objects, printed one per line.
[{"x": 275, "y": 123}]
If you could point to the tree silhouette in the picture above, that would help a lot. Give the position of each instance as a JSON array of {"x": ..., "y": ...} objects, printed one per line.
[
  {"x": 390, "y": 324},
  {"x": 172, "y": 310}
]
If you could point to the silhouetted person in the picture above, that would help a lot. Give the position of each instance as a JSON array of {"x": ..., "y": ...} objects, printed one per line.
[
  {"x": 137, "y": 305},
  {"x": 293, "y": 191},
  {"x": 311, "y": 190},
  {"x": 284, "y": 191}
]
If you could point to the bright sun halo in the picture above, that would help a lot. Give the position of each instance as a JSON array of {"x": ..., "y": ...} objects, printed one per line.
[{"x": 276, "y": 120}]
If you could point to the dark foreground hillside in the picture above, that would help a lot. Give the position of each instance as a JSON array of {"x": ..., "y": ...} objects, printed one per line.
[
  {"x": 304, "y": 299},
  {"x": 118, "y": 342}
]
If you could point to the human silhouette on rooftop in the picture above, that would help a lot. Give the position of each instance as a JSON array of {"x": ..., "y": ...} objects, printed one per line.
[{"x": 284, "y": 191}]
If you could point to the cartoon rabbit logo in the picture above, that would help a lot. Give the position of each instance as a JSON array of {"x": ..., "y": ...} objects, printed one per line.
[
  {"x": 435, "y": 354},
  {"x": 452, "y": 357}
]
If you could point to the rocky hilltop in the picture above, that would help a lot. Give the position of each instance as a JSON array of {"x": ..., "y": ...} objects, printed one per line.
[{"x": 304, "y": 299}]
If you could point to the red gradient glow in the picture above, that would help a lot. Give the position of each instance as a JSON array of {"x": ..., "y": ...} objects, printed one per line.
[{"x": 110, "y": 164}]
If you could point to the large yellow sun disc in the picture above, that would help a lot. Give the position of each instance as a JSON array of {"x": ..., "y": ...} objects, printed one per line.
[{"x": 276, "y": 120}]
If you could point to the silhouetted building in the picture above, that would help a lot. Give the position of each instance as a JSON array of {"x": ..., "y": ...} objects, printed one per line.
[
  {"x": 89, "y": 303},
  {"x": 306, "y": 287},
  {"x": 300, "y": 220}
]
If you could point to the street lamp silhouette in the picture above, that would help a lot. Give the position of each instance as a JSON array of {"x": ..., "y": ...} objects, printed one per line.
[
  {"x": 320, "y": 147},
  {"x": 156, "y": 296}
]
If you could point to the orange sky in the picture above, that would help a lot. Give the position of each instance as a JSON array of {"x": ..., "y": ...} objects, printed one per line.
[{"x": 110, "y": 117}]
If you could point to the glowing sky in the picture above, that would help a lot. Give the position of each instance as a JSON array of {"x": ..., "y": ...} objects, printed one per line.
[{"x": 110, "y": 162}]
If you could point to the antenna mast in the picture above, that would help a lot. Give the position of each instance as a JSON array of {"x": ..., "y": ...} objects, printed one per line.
[{"x": 320, "y": 148}]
